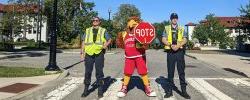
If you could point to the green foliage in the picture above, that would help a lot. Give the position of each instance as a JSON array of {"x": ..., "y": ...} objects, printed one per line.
[
  {"x": 190, "y": 45},
  {"x": 160, "y": 27},
  {"x": 31, "y": 43},
  {"x": 121, "y": 17},
  {"x": 73, "y": 17},
  {"x": 200, "y": 33},
  {"x": 211, "y": 29},
  {"x": 245, "y": 11},
  {"x": 21, "y": 72}
]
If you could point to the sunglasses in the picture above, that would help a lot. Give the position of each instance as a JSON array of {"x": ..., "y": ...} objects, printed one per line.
[{"x": 95, "y": 20}]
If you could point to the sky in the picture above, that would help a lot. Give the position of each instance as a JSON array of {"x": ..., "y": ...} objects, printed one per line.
[{"x": 159, "y": 10}]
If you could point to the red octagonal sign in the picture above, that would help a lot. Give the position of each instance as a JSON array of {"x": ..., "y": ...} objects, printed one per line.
[{"x": 144, "y": 33}]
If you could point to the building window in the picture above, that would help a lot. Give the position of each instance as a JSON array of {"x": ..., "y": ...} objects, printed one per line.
[
  {"x": 236, "y": 30},
  {"x": 230, "y": 30},
  {"x": 244, "y": 30},
  {"x": 34, "y": 30},
  {"x": 29, "y": 31}
]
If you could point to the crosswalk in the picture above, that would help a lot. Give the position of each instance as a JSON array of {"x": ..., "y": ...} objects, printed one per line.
[{"x": 208, "y": 91}]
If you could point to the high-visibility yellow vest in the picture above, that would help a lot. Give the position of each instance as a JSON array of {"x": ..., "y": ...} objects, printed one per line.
[
  {"x": 90, "y": 47},
  {"x": 138, "y": 45},
  {"x": 168, "y": 29}
]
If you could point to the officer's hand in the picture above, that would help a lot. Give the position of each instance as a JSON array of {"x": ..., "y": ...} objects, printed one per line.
[
  {"x": 175, "y": 47},
  {"x": 104, "y": 46},
  {"x": 82, "y": 56},
  {"x": 167, "y": 43}
]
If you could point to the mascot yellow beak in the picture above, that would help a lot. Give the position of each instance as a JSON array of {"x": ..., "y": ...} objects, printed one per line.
[{"x": 132, "y": 23}]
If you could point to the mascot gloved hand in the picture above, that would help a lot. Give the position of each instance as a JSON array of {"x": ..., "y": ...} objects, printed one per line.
[{"x": 135, "y": 58}]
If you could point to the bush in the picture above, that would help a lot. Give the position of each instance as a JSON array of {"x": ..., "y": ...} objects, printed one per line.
[
  {"x": 31, "y": 43},
  {"x": 196, "y": 48},
  {"x": 6, "y": 46},
  {"x": 223, "y": 45},
  {"x": 190, "y": 45}
]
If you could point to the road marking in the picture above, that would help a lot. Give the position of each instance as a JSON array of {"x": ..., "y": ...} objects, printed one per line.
[
  {"x": 209, "y": 92},
  {"x": 65, "y": 89},
  {"x": 154, "y": 86},
  {"x": 238, "y": 82},
  {"x": 110, "y": 94}
]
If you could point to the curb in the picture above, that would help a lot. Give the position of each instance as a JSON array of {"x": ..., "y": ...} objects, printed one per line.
[{"x": 37, "y": 90}]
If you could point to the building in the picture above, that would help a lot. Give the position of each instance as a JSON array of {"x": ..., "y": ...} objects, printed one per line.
[
  {"x": 190, "y": 29},
  {"x": 233, "y": 25},
  {"x": 29, "y": 29}
]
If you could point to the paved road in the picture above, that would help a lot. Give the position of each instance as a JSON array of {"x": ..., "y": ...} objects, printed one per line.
[{"x": 204, "y": 80}]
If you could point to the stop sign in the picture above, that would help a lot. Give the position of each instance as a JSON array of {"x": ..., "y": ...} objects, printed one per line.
[{"x": 144, "y": 33}]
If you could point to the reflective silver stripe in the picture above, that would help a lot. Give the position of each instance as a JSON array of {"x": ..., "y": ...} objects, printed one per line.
[
  {"x": 88, "y": 34},
  {"x": 88, "y": 43},
  {"x": 101, "y": 35},
  {"x": 98, "y": 43}
]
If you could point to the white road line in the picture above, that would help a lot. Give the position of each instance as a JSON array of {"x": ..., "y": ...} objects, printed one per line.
[
  {"x": 154, "y": 86},
  {"x": 209, "y": 92},
  {"x": 110, "y": 94},
  {"x": 238, "y": 82},
  {"x": 65, "y": 89}
]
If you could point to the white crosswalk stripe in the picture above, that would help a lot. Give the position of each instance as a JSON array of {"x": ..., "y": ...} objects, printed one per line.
[
  {"x": 238, "y": 82},
  {"x": 64, "y": 90},
  {"x": 110, "y": 94},
  {"x": 209, "y": 92}
]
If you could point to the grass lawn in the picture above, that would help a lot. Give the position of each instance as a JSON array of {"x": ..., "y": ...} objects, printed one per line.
[{"x": 21, "y": 72}]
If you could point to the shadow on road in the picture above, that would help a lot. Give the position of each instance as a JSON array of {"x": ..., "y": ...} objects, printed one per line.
[
  {"x": 108, "y": 81},
  {"x": 70, "y": 66},
  {"x": 135, "y": 82},
  {"x": 22, "y": 54},
  {"x": 164, "y": 82}
]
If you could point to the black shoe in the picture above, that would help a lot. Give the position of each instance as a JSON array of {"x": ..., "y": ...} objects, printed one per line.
[
  {"x": 86, "y": 91},
  {"x": 185, "y": 95},
  {"x": 168, "y": 94}
]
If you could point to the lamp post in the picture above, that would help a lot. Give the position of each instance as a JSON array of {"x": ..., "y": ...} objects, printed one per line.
[
  {"x": 52, "y": 66},
  {"x": 109, "y": 27}
]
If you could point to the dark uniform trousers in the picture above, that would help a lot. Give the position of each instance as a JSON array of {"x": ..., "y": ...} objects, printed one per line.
[
  {"x": 174, "y": 57},
  {"x": 98, "y": 60}
]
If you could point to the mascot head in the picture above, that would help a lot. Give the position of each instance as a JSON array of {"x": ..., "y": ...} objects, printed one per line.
[{"x": 133, "y": 22}]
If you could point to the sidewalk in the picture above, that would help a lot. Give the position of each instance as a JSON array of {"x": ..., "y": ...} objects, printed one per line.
[
  {"x": 236, "y": 62},
  {"x": 10, "y": 87}
]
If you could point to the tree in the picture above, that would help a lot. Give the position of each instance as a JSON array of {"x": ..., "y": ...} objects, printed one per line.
[
  {"x": 245, "y": 11},
  {"x": 200, "y": 33},
  {"x": 124, "y": 12},
  {"x": 73, "y": 17},
  {"x": 212, "y": 29},
  {"x": 160, "y": 27}
]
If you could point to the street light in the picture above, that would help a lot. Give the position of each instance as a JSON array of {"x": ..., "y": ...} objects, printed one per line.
[
  {"x": 109, "y": 27},
  {"x": 52, "y": 66}
]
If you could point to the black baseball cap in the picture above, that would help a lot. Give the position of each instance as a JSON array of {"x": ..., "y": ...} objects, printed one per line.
[{"x": 173, "y": 15}]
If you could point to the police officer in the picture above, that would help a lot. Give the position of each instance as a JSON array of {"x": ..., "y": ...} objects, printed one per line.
[
  {"x": 174, "y": 40},
  {"x": 95, "y": 41}
]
